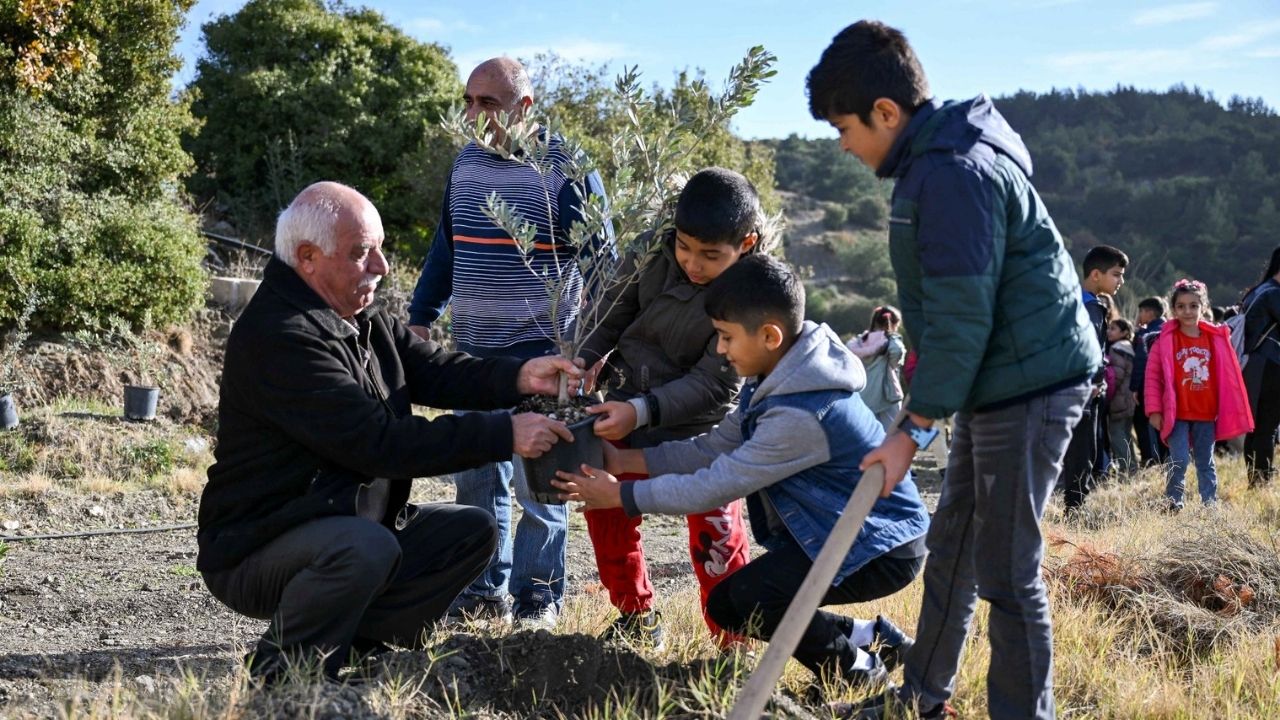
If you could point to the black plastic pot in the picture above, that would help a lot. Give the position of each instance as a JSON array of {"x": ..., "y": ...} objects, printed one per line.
[
  {"x": 8, "y": 412},
  {"x": 585, "y": 448},
  {"x": 140, "y": 402}
]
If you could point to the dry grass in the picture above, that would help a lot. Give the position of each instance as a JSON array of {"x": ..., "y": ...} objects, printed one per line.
[{"x": 1155, "y": 616}]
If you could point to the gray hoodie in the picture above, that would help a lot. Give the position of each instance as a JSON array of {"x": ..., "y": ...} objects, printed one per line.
[{"x": 715, "y": 468}]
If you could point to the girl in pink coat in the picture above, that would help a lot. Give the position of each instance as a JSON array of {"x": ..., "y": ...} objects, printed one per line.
[{"x": 1194, "y": 392}]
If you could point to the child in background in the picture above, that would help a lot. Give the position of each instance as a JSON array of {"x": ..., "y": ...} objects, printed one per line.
[
  {"x": 1120, "y": 401},
  {"x": 881, "y": 351},
  {"x": 1194, "y": 392},
  {"x": 671, "y": 384},
  {"x": 1083, "y": 464},
  {"x": 1151, "y": 314}
]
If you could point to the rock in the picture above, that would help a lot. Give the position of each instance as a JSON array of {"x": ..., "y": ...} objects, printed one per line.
[
  {"x": 96, "y": 511},
  {"x": 12, "y": 524},
  {"x": 145, "y": 683},
  {"x": 195, "y": 445}
]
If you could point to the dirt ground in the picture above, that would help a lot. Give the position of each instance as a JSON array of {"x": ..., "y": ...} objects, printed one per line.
[{"x": 80, "y": 616}]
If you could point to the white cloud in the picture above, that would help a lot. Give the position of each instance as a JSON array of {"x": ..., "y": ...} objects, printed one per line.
[
  {"x": 1266, "y": 53},
  {"x": 1244, "y": 36},
  {"x": 1134, "y": 62},
  {"x": 1174, "y": 13},
  {"x": 434, "y": 26}
]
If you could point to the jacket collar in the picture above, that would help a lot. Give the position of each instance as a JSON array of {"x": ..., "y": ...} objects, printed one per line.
[
  {"x": 289, "y": 285},
  {"x": 895, "y": 163}
]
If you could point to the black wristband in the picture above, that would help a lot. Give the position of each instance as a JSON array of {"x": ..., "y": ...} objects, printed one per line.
[{"x": 655, "y": 417}]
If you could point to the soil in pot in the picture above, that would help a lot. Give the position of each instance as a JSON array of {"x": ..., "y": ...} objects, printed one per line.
[{"x": 585, "y": 448}]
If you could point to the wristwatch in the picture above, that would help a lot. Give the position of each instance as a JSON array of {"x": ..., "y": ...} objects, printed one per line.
[{"x": 920, "y": 436}]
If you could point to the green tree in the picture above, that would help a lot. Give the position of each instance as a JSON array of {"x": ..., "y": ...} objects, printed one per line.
[
  {"x": 583, "y": 103},
  {"x": 295, "y": 91},
  {"x": 90, "y": 164}
]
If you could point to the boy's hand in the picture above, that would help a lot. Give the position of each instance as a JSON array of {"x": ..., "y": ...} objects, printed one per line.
[
  {"x": 617, "y": 419},
  {"x": 618, "y": 461},
  {"x": 589, "y": 382},
  {"x": 1156, "y": 420},
  {"x": 595, "y": 488},
  {"x": 895, "y": 454}
]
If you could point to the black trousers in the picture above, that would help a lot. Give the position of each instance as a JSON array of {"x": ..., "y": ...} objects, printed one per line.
[
  {"x": 1260, "y": 445},
  {"x": 753, "y": 600},
  {"x": 339, "y": 579},
  {"x": 1079, "y": 463}
]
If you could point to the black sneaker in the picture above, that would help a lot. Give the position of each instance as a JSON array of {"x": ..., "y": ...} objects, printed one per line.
[
  {"x": 477, "y": 608},
  {"x": 642, "y": 628},
  {"x": 890, "y": 642}
]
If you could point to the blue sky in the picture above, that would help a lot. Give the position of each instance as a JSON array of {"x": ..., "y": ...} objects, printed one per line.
[{"x": 966, "y": 46}]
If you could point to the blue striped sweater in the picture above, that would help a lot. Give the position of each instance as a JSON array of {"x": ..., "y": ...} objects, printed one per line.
[{"x": 499, "y": 306}]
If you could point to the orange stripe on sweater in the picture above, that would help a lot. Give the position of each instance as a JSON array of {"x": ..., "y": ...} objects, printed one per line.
[{"x": 498, "y": 241}]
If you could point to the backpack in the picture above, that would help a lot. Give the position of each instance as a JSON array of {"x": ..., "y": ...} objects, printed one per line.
[{"x": 1235, "y": 324}]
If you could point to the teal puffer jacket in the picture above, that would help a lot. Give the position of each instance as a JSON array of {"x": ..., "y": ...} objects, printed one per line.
[{"x": 988, "y": 293}]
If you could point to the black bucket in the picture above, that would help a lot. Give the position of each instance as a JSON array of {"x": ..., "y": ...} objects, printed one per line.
[
  {"x": 585, "y": 448},
  {"x": 140, "y": 402},
  {"x": 8, "y": 412}
]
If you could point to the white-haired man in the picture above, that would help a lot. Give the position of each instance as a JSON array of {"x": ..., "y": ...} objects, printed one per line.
[
  {"x": 500, "y": 308},
  {"x": 305, "y": 519}
]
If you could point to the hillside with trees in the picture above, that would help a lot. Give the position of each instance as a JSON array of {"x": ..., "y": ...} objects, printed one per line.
[{"x": 1184, "y": 185}]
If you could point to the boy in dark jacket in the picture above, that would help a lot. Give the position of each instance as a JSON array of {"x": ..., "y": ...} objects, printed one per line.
[
  {"x": 792, "y": 449},
  {"x": 669, "y": 383},
  {"x": 992, "y": 304},
  {"x": 1151, "y": 314},
  {"x": 1083, "y": 464}
]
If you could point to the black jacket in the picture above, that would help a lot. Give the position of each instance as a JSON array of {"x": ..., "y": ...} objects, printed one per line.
[{"x": 311, "y": 411}]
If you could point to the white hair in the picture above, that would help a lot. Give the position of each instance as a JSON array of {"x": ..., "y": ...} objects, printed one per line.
[{"x": 311, "y": 217}]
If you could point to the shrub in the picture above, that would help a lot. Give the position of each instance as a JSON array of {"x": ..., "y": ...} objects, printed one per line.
[
  {"x": 868, "y": 212},
  {"x": 835, "y": 217},
  {"x": 845, "y": 313}
]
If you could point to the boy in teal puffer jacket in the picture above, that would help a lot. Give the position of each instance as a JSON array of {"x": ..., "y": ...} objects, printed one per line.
[{"x": 993, "y": 306}]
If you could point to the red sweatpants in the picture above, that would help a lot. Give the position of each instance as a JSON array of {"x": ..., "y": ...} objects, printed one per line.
[{"x": 717, "y": 547}]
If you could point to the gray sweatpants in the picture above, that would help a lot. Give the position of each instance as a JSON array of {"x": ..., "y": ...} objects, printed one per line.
[
  {"x": 984, "y": 541},
  {"x": 339, "y": 579}
]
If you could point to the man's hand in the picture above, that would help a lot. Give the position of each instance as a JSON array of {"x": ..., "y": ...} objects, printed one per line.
[
  {"x": 618, "y": 461},
  {"x": 595, "y": 488},
  {"x": 422, "y": 331},
  {"x": 616, "y": 419},
  {"x": 895, "y": 454},
  {"x": 1156, "y": 420},
  {"x": 541, "y": 376},
  {"x": 534, "y": 434}
]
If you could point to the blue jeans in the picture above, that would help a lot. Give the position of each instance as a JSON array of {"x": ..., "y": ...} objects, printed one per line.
[
  {"x": 984, "y": 542},
  {"x": 1191, "y": 439},
  {"x": 531, "y": 565}
]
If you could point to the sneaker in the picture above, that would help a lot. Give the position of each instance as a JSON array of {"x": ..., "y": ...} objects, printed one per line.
[
  {"x": 642, "y": 628},
  {"x": 542, "y": 618},
  {"x": 890, "y": 642},
  {"x": 477, "y": 608},
  {"x": 888, "y": 705}
]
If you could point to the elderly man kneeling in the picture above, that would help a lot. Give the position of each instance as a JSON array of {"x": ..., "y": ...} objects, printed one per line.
[{"x": 305, "y": 519}]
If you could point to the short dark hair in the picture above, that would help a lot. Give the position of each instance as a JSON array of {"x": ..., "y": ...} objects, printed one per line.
[
  {"x": 1102, "y": 258},
  {"x": 719, "y": 206},
  {"x": 866, "y": 61},
  {"x": 1155, "y": 304},
  {"x": 755, "y": 290}
]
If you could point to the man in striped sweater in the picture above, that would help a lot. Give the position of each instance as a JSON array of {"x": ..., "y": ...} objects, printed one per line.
[{"x": 500, "y": 308}]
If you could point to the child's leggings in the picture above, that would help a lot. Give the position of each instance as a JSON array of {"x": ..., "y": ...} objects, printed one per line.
[
  {"x": 717, "y": 546},
  {"x": 1191, "y": 439}
]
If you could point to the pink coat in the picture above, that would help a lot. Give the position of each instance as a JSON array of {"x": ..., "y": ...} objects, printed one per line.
[{"x": 1160, "y": 395}]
